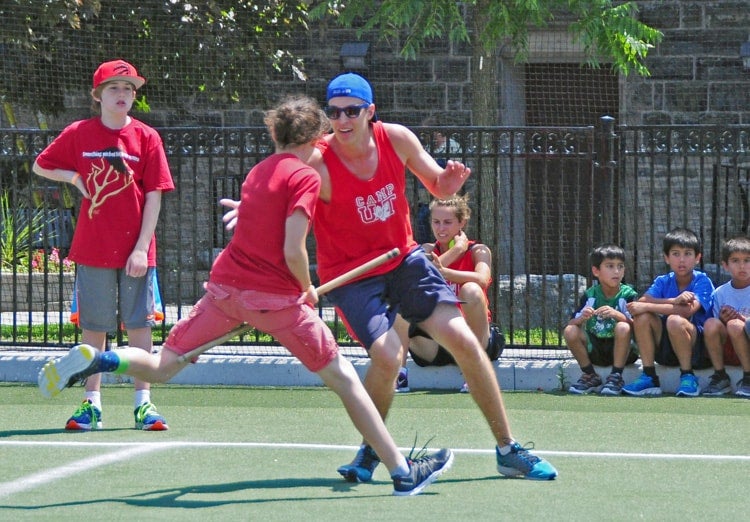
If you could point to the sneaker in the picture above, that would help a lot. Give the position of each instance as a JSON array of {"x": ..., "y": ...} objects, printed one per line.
[
  {"x": 521, "y": 463},
  {"x": 718, "y": 385},
  {"x": 613, "y": 385},
  {"x": 362, "y": 467},
  {"x": 80, "y": 362},
  {"x": 423, "y": 471},
  {"x": 743, "y": 387},
  {"x": 643, "y": 385},
  {"x": 148, "y": 419},
  {"x": 688, "y": 386},
  {"x": 86, "y": 418},
  {"x": 402, "y": 381},
  {"x": 464, "y": 388},
  {"x": 588, "y": 383}
]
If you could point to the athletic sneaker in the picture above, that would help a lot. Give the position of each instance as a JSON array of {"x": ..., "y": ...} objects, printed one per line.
[
  {"x": 688, "y": 386},
  {"x": 743, "y": 387},
  {"x": 148, "y": 419},
  {"x": 87, "y": 417},
  {"x": 718, "y": 385},
  {"x": 423, "y": 471},
  {"x": 402, "y": 381},
  {"x": 362, "y": 467},
  {"x": 613, "y": 385},
  {"x": 643, "y": 385},
  {"x": 522, "y": 463},
  {"x": 80, "y": 362},
  {"x": 588, "y": 383}
]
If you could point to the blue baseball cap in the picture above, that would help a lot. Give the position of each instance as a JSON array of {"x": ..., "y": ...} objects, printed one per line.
[{"x": 349, "y": 84}]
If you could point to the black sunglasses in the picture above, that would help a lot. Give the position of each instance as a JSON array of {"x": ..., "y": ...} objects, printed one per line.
[{"x": 352, "y": 111}]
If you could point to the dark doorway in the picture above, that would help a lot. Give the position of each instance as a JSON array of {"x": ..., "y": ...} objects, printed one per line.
[{"x": 559, "y": 180}]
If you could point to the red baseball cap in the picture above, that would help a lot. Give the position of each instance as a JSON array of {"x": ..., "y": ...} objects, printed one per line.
[{"x": 117, "y": 70}]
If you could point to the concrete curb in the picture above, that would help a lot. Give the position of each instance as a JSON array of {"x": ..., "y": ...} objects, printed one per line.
[{"x": 517, "y": 375}]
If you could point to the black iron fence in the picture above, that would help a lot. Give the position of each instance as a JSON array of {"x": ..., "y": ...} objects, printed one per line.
[{"x": 541, "y": 197}]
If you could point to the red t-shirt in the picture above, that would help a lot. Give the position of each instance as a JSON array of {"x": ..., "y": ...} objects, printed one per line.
[
  {"x": 464, "y": 263},
  {"x": 119, "y": 167},
  {"x": 364, "y": 218},
  {"x": 272, "y": 191}
]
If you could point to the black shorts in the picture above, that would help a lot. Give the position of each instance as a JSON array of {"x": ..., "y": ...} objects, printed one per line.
[
  {"x": 602, "y": 350},
  {"x": 665, "y": 354},
  {"x": 494, "y": 349}
]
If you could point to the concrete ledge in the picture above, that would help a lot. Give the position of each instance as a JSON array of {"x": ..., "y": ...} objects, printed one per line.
[{"x": 23, "y": 366}]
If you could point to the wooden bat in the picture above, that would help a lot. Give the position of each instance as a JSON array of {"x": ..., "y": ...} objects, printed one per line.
[{"x": 321, "y": 290}]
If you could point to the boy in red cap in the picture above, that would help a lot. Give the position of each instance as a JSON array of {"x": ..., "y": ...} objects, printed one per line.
[{"x": 119, "y": 165}]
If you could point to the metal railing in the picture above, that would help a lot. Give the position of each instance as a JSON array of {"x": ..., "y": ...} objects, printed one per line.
[{"x": 541, "y": 198}]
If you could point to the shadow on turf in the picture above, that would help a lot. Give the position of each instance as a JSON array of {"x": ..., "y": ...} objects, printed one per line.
[
  {"x": 51, "y": 431},
  {"x": 173, "y": 497}
]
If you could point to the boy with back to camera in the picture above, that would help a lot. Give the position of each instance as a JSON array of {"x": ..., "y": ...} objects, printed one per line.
[
  {"x": 726, "y": 333},
  {"x": 262, "y": 279},
  {"x": 601, "y": 332},
  {"x": 668, "y": 319},
  {"x": 119, "y": 165}
]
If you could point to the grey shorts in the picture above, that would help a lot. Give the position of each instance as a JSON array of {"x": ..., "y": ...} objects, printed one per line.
[{"x": 102, "y": 292}]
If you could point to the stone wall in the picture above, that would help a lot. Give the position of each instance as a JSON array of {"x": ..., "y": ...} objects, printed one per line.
[{"x": 696, "y": 75}]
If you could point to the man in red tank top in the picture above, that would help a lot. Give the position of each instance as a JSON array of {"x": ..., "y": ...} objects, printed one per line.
[{"x": 363, "y": 212}]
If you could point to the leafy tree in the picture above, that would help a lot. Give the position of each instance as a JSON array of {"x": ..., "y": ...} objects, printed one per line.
[
  {"x": 210, "y": 51},
  {"x": 608, "y": 30}
]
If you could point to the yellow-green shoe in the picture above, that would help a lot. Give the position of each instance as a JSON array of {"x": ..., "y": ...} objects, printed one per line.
[{"x": 148, "y": 419}]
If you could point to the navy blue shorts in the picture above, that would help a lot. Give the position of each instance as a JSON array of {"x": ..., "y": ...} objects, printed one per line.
[{"x": 413, "y": 289}]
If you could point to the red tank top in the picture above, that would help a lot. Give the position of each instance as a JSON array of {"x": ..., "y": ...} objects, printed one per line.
[
  {"x": 465, "y": 264},
  {"x": 364, "y": 218}
]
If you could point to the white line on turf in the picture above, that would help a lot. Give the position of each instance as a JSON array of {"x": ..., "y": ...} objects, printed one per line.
[
  {"x": 328, "y": 447},
  {"x": 94, "y": 461},
  {"x": 137, "y": 448}
]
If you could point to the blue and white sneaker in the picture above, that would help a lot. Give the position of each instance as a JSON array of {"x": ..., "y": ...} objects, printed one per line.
[
  {"x": 743, "y": 387},
  {"x": 402, "y": 381},
  {"x": 423, "y": 471},
  {"x": 80, "y": 362},
  {"x": 148, "y": 419},
  {"x": 688, "y": 386},
  {"x": 86, "y": 418},
  {"x": 520, "y": 462},
  {"x": 362, "y": 467},
  {"x": 643, "y": 385}
]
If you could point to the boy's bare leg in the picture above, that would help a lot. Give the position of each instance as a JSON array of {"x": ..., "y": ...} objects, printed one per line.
[
  {"x": 96, "y": 340},
  {"x": 341, "y": 377},
  {"x": 682, "y": 335},
  {"x": 141, "y": 338},
  {"x": 385, "y": 361},
  {"x": 647, "y": 329},
  {"x": 740, "y": 342},
  {"x": 575, "y": 339},
  {"x": 621, "y": 350},
  {"x": 714, "y": 337},
  {"x": 449, "y": 329}
]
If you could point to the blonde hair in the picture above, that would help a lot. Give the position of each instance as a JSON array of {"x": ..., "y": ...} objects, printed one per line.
[{"x": 459, "y": 204}]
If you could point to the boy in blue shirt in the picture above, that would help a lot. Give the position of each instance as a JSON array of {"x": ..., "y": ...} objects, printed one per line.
[{"x": 668, "y": 319}]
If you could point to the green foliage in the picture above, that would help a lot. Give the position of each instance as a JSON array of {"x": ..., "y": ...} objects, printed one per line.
[
  {"x": 608, "y": 31},
  {"x": 210, "y": 51},
  {"x": 19, "y": 225}
]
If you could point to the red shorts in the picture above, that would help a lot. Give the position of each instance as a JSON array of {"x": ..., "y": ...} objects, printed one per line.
[
  {"x": 730, "y": 356},
  {"x": 295, "y": 325}
]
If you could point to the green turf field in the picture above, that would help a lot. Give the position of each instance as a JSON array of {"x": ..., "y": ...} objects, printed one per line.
[{"x": 271, "y": 454}]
